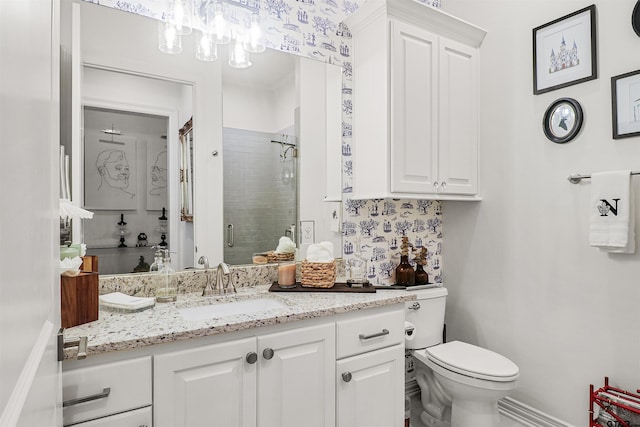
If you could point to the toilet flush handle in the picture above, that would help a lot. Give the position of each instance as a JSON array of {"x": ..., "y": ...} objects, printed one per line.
[{"x": 415, "y": 306}]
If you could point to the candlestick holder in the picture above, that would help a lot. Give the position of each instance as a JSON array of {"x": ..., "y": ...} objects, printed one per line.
[{"x": 122, "y": 231}]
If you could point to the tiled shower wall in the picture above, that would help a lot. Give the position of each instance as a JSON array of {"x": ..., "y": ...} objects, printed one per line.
[
  {"x": 259, "y": 193},
  {"x": 314, "y": 29}
]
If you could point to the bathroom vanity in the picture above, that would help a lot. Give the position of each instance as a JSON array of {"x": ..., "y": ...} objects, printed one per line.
[{"x": 316, "y": 359}]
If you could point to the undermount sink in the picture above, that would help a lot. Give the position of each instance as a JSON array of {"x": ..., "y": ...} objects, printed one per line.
[{"x": 230, "y": 308}]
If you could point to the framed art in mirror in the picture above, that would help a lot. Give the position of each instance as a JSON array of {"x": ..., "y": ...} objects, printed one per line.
[
  {"x": 186, "y": 171},
  {"x": 625, "y": 103},
  {"x": 110, "y": 171},
  {"x": 564, "y": 51},
  {"x": 562, "y": 120}
]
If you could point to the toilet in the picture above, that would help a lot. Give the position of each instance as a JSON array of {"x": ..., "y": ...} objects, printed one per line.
[{"x": 460, "y": 383}]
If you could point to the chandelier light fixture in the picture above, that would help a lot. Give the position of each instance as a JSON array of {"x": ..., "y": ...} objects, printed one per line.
[{"x": 211, "y": 29}]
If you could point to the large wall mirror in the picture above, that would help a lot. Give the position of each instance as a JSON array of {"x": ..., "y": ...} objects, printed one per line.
[{"x": 267, "y": 125}]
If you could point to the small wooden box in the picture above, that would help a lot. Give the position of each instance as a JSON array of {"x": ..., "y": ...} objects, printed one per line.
[
  {"x": 79, "y": 299},
  {"x": 89, "y": 263}
]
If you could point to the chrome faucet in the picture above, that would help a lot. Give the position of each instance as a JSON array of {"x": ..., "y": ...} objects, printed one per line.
[
  {"x": 217, "y": 286},
  {"x": 221, "y": 287}
]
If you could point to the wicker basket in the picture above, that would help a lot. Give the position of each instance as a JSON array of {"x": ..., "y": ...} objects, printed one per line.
[
  {"x": 279, "y": 257},
  {"x": 318, "y": 274}
]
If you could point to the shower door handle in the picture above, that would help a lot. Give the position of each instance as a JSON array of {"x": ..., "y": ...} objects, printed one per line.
[{"x": 230, "y": 236}]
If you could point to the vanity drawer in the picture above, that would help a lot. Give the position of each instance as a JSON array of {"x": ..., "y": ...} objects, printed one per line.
[
  {"x": 137, "y": 418},
  {"x": 106, "y": 389},
  {"x": 369, "y": 333}
]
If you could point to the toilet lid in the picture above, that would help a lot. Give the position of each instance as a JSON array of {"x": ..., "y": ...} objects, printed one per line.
[{"x": 472, "y": 361}]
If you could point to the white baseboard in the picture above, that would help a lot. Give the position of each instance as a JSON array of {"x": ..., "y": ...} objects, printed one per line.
[
  {"x": 526, "y": 415},
  {"x": 508, "y": 408}
]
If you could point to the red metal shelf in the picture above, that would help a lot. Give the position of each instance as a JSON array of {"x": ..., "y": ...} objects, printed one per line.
[{"x": 620, "y": 407}]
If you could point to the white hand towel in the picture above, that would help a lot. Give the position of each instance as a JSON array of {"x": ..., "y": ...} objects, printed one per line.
[{"x": 612, "y": 227}]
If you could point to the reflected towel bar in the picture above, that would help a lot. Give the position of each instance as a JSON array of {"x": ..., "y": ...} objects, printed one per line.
[{"x": 575, "y": 178}]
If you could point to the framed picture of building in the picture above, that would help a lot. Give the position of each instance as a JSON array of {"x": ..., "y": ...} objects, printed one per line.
[
  {"x": 625, "y": 103},
  {"x": 564, "y": 51}
]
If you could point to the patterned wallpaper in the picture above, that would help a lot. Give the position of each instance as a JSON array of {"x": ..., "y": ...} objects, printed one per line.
[{"x": 313, "y": 28}]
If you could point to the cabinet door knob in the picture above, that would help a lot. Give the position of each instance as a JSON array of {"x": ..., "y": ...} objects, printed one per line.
[
  {"x": 443, "y": 186},
  {"x": 436, "y": 186},
  {"x": 346, "y": 376},
  {"x": 415, "y": 306},
  {"x": 267, "y": 353},
  {"x": 252, "y": 357}
]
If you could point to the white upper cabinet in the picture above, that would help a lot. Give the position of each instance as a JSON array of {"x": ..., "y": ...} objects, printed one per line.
[{"x": 415, "y": 122}]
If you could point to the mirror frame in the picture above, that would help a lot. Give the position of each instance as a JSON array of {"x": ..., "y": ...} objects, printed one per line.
[{"x": 186, "y": 171}]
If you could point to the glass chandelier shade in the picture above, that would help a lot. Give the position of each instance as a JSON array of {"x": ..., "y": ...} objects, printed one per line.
[
  {"x": 206, "y": 48},
  {"x": 169, "y": 41},
  {"x": 254, "y": 40},
  {"x": 179, "y": 13},
  {"x": 238, "y": 56},
  {"x": 181, "y": 17},
  {"x": 218, "y": 24}
]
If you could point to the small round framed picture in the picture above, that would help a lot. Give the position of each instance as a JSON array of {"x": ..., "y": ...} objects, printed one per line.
[{"x": 562, "y": 120}]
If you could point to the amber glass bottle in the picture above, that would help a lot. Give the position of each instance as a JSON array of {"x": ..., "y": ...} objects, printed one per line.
[
  {"x": 422, "y": 277},
  {"x": 405, "y": 275}
]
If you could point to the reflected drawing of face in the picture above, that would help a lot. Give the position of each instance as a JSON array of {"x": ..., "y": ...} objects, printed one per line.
[
  {"x": 113, "y": 168},
  {"x": 159, "y": 173}
]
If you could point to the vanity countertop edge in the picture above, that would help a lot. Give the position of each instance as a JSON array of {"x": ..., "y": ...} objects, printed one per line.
[{"x": 164, "y": 323}]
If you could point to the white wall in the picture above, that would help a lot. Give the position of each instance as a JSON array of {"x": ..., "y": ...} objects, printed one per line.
[
  {"x": 312, "y": 177},
  {"x": 259, "y": 109},
  {"x": 522, "y": 278}
]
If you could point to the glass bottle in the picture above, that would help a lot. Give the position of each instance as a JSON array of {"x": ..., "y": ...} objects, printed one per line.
[
  {"x": 422, "y": 277},
  {"x": 167, "y": 290},
  {"x": 157, "y": 260},
  {"x": 405, "y": 274}
]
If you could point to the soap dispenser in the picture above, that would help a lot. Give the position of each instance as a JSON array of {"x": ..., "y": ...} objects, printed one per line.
[
  {"x": 157, "y": 259},
  {"x": 167, "y": 290}
]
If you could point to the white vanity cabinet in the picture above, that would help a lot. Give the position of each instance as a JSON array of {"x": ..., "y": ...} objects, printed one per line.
[
  {"x": 342, "y": 370},
  {"x": 370, "y": 371},
  {"x": 273, "y": 380},
  {"x": 415, "y": 121}
]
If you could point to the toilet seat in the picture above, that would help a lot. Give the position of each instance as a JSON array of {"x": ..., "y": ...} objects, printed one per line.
[{"x": 472, "y": 361}]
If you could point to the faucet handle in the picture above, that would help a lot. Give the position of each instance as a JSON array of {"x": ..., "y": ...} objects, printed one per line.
[{"x": 203, "y": 261}]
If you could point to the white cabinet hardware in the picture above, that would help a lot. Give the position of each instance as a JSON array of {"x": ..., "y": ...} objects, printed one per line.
[
  {"x": 267, "y": 353},
  {"x": 105, "y": 393},
  {"x": 375, "y": 335}
]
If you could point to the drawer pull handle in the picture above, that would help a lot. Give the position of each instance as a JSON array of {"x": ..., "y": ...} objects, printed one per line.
[
  {"x": 376, "y": 335},
  {"x": 268, "y": 353},
  {"x": 105, "y": 393},
  {"x": 346, "y": 376}
]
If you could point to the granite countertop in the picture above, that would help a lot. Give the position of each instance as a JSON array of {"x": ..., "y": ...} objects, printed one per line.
[{"x": 164, "y": 323}]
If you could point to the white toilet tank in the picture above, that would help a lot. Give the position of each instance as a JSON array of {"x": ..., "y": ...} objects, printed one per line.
[{"x": 426, "y": 314}]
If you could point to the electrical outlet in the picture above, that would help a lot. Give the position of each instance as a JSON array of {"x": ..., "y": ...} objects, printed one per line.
[{"x": 307, "y": 232}]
